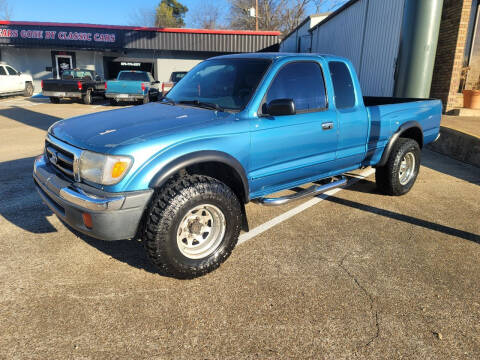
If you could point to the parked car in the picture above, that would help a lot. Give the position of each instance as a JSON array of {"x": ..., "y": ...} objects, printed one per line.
[
  {"x": 175, "y": 77},
  {"x": 13, "y": 82},
  {"x": 81, "y": 84},
  {"x": 132, "y": 86},
  {"x": 178, "y": 173}
]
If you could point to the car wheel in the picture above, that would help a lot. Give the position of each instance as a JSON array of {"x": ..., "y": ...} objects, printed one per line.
[
  {"x": 192, "y": 226},
  {"x": 54, "y": 100},
  {"x": 113, "y": 102},
  {"x": 87, "y": 98},
  {"x": 28, "y": 92},
  {"x": 146, "y": 99},
  {"x": 401, "y": 170}
]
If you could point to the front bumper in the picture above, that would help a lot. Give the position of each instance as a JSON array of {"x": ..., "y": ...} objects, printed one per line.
[
  {"x": 62, "y": 94},
  {"x": 114, "y": 216},
  {"x": 125, "y": 97}
]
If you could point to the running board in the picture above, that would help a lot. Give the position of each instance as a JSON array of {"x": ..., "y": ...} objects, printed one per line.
[{"x": 311, "y": 191}]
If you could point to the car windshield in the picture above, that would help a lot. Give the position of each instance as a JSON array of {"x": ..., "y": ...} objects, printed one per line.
[
  {"x": 77, "y": 74},
  {"x": 133, "y": 76},
  {"x": 221, "y": 83}
]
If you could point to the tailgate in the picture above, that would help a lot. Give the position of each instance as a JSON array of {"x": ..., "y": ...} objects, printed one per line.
[
  {"x": 125, "y": 87},
  {"x": 60, "y": 85}
]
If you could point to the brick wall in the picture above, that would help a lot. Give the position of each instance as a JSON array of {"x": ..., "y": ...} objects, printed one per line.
[{"x": 450, "y": 50}]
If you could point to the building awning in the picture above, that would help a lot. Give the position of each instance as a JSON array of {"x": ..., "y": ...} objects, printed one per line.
[{"x": 133, "y": 59}]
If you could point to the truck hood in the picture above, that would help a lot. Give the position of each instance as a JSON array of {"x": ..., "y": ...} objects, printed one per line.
[{"x": 103, "y": 131}]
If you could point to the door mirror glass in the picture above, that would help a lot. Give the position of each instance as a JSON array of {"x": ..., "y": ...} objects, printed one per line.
[{"x": 279, "y": 107}]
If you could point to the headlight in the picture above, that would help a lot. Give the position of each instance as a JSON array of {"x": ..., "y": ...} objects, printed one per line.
[{"x": 103, "y": 169}]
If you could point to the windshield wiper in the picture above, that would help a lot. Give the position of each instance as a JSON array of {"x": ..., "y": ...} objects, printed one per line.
[
  {"x": 202, "y": 104},
  {"x": 167, "y": 100}
]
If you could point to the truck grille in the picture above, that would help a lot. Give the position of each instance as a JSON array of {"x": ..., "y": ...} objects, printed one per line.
[{"x": 60, "y": 158}]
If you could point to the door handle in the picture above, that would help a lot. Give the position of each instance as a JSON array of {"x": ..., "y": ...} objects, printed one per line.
[{"x": 327, "y": 125}]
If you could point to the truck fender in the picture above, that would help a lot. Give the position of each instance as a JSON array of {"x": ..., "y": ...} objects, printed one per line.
[
  {"x": 202, "y": 157},
  {"x": 401, "y": 130}
]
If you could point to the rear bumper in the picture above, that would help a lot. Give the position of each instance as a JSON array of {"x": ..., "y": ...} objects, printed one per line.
[
  {"x": 125, "y": 97},
  {"x": 114, "y": 216},
  {"x": 62, "y": 94}
]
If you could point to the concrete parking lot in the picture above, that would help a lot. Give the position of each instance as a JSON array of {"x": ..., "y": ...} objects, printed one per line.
[{"x": 353, "y": 275}]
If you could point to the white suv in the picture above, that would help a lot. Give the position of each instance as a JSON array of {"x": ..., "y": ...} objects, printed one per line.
[{"x": 14, "y": 82}]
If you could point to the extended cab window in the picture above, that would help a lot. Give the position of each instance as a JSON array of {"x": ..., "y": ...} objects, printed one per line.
[
  {"x": 2, "y": 71},
  {"x": 11, "y": 71},
  {"x": 303, "y": 83},
  {"x": 342, "y": 85}
]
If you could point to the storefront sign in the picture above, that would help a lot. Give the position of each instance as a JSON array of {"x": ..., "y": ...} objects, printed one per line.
[{"x": 58, "y": 35}]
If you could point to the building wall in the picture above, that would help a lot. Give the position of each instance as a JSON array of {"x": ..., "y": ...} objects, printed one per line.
[
  {"x": 300, "y": 39},
  {"x": 450, "y": 51},
  {"x": 167, "y": 62},
  {"x": 368, "y": 34},
  {"x": 36, "y": 61}
]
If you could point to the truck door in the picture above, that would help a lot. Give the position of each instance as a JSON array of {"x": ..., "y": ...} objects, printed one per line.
[
  {"x": 351, "y": 115},
  {"x": 293, "y": 148},
  {"x": 3, "y": 80},
  {"x": 15, "y": 82}
]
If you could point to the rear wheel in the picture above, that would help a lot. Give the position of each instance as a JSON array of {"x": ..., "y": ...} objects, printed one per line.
[
  {"x": 28, "y": 92},
  {"x": 113, "y": 102},
  {"x": 146, "y": 99},
  {"x": 400, "y": 172},
  {"x": 192, "y": 226},
  {"x": 54, "y": 100},
  {"x": 87, "y": 98}
]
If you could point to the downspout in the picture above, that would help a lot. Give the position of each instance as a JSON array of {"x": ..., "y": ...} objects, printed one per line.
[{"x": 418, "y": 47}]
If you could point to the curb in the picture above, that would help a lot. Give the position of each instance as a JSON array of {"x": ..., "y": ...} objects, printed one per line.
[{"x": 458, "y": 145}]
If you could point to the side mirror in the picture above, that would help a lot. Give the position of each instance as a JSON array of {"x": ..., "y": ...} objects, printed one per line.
[{"x": 279, "y": 107}]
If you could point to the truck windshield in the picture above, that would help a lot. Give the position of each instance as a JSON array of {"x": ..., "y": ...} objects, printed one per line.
[
  {"x": 133, "y": 76},
  {"x": 77, "y": 74},
  {"x": 225, "y": 83}
]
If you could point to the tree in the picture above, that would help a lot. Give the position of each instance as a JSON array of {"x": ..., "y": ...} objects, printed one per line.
[
  {"x": 206, "y": 16},
  {"x": 170, "y": 13},
  {"x": 143, "y": 17},
  {"x": 5, "y": 10},
  {"x": 327, "y": 5},
  {"x": 283, "y": 15}
]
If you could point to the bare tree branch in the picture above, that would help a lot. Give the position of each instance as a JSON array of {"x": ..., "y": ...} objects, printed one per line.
[
  {"x": 142, "y": 17},
  {"x": 6, "y": 10}
]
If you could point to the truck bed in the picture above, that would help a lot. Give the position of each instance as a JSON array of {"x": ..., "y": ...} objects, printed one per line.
[{"x": 378, "y": 100}]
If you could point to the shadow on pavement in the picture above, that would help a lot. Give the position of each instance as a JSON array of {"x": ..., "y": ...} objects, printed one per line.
[
  {"x": 408, "y": 219},
  {"x": 19, "y": 202},
  {"x": 29, "y": 117}
]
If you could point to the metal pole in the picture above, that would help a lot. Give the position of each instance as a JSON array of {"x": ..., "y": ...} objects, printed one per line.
[
  {"x": 256, "y": 15},
  {"x": 418, "y": 47}
]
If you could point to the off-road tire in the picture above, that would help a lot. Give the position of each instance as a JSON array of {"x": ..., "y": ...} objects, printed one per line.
[
  {"x": 387, "y": 177},
  {"x": 169, "y": 206},
  {"x": 28, "y": 92},
  {"x": 54, "y": 100},
  {"x": 87, "y": 98}
]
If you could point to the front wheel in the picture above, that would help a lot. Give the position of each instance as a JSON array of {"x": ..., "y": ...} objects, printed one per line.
[
  {"x": 192, "y": 226},
  {"x": 401, "y": 170}
]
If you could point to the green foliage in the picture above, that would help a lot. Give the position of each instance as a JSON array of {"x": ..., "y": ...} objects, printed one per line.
[{"x": 170, "y": 13}]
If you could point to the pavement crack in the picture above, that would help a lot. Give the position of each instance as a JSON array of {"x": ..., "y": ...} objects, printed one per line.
[{"x": 373, "y": 308}]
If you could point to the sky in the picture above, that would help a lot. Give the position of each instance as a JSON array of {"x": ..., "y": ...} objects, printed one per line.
[{"x": 105, "y": 12}]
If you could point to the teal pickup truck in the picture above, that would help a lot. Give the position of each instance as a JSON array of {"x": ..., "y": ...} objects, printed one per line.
[{"x": 138, "y": 86}]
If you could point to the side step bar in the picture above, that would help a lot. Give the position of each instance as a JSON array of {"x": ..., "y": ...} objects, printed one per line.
[{"x": 311, "y": 191}]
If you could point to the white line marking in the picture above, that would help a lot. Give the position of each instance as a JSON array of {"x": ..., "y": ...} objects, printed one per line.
[{"x": 297, "y": 210}]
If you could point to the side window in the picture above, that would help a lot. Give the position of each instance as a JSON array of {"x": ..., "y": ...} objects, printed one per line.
[
  {"x": 10, "y": 70},
  {"x": 342, "y": 85},
  {"x": 2, "y": 71},
  {"x": 303, "y": 83}
]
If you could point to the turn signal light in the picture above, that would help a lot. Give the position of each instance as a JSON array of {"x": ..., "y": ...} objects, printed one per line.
[
  {"x": 79, "y": 84},
  {"x": 119, "y": 168},
  {"x": 87, "y": 220}
]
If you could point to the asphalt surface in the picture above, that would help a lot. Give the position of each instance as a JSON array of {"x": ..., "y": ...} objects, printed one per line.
[{"x": 355, "y": 275}]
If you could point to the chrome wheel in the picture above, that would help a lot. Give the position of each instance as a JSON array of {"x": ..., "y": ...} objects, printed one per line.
[
  {"x": 407, "y": 168},
  {"x": 201, "y": 231}
]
